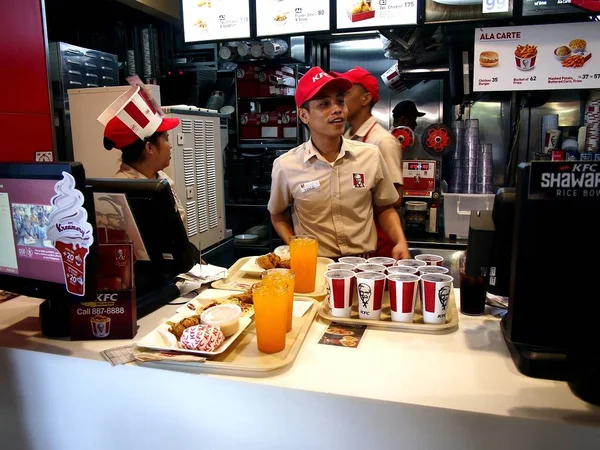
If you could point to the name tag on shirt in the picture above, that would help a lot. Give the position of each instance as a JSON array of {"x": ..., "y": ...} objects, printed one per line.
[{"x": 310, "y": 186}]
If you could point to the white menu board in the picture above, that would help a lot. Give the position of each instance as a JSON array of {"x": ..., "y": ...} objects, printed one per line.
[
  {"x": 375, "y": 13},
  {"x": 213, "y": 20},
  {"x": 279, "y": 17},
  {"x": 557, "y": 56}
]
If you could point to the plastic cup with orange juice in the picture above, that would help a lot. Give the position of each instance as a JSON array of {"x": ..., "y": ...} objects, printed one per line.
[
  {"x": 283, "y": 276},
  {"x": 270, "y": 314},
  {"x": 303, "y": 256}
]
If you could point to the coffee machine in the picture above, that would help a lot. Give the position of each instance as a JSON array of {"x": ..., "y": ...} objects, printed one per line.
[{"x": 421, "y": 200}]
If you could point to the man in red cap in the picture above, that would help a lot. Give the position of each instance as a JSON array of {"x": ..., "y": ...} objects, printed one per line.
[
  {"x": 334, "y": 187},
  {"x": 360, "y": 100}
]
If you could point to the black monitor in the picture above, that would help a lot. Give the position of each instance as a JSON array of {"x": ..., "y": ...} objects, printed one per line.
[
  {"x": 29, "y": 264},
  {"x": 162, "y": 231}
]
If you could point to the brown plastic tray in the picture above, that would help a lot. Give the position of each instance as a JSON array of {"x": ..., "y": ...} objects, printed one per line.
[
  {"x": 417, "y": 326},
  {"x": 241, "y": 281},
  {"x": 243, "y": 358}
]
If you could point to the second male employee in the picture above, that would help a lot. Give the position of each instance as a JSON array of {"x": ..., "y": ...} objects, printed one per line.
[{"x": 333, "y": 186}]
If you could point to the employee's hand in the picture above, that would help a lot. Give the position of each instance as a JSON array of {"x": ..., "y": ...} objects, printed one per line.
[{"x": 400, "y": 251}]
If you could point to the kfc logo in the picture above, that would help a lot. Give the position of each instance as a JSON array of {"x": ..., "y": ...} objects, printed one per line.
[
  {"x": 106, "y": 297},
  {"x": 318, "y": 76},
  {"x": 444, "y": 296},
  {"x": 358, "y": 180},
  {"x": 364, "y": 292}
]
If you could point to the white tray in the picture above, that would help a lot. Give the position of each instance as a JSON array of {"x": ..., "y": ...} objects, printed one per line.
[{"x": 205, "y": 297}]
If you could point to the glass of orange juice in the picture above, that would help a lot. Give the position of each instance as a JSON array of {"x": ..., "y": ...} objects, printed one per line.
[
  {"x": 283, "y": 276},
  {"x": 270, "y": 310},
  {"x": 303, "y": 257}
]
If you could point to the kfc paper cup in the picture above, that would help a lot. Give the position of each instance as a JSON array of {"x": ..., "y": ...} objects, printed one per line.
[
  {"x": 433, "y": 269},
  {"x": 402, "y": 269},
  {"x": 340, "y": 289},
  {"x": 384, "y": 261},
  {"x": 370, "y": 268},
  {"x": 354, "y": 260},
  {"x": 341, "y": 266},
  {"x": 403, "y": 289},
  {"x": 435, "y": 295},
  {"x": 414, "y": 263},
  {"x": 431, "y": 260},
  {"x": 369, "y": 292}
]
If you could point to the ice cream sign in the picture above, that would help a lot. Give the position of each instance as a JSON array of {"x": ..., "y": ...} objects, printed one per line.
[{"x": 70, "y": 232}]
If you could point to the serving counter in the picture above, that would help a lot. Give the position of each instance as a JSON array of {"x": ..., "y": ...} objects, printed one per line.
[{"x": 396, "y": 390}]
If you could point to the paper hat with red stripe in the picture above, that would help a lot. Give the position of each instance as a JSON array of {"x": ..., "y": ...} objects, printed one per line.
[{"x": 131, "y": 117}]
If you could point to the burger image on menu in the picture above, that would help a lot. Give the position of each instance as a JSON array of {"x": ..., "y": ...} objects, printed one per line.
[{"x": 489, "y": 59}]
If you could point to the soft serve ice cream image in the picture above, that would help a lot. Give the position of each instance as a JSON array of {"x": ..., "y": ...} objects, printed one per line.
[{"x": 70, "y": 232}]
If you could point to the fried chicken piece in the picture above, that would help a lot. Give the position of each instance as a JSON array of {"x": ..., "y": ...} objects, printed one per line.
[
  {"x": 244, "y": 297},
  {"x": 190, "y": 321},
  {"x": 176, "y": 329},
  {"x": 285, "y": 264},
  {"x": 275, "y": 260},
  {"x": 264, "y": 262}
]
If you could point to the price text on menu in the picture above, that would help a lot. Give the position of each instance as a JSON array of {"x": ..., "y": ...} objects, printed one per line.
[
  {"x": 375, "y": 13},
  {"x": 279, "y": 17},
  {"x": 213, "y": 20},
  {"x": 537, "y": 57}
]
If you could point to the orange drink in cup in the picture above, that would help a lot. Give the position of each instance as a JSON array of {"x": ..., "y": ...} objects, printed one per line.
[
  {"x": 270, "y": 314},
  {"x": 303, "y": 256},
  {"x": 283, "y": 276}
]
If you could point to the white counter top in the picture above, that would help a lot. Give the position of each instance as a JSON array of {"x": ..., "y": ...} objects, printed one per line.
[{"x": 469, "y": 370}]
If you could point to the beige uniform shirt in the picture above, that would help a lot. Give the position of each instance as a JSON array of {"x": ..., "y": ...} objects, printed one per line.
[
  {"x": 126, "y": 171},
  {"x": 372, "y": 132},
  {"x": 333, "y": 201}
]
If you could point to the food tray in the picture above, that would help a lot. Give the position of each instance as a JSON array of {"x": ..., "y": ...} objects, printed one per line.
[
  {"x": 417, "y": 326},
  {"x": 241, "y": 281},
  {"x": 242, "y": 358}
]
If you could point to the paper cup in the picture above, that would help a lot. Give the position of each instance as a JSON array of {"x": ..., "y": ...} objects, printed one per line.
[
  {"x": 414, "y": 263},
  {"x": 402, "y": 269},
  {"x": 433, "y": 269},
  {"x": 354, "y": 260},
  {"x": 369, "y": 292},
  {"x": 366, "y": 267},
  {"x": 431, "y": 260},
  {"x": 435, "y": 295},
  {"x": 341, "y": 266},
  {"x": 403, "y": 295},
  {"x": 384, "y": 261},
  {"x": 340, "y": 289}
]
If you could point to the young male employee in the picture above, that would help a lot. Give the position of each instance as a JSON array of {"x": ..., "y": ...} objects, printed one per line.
[
  {"x": 333, "y": 186},
  {"x": 360, "y": 100}
]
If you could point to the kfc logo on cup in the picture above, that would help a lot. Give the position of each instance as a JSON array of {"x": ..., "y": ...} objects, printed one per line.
[
  {"x": 370, "y": 294},
  {"x": 340, "y": 290},
  {"x": 435, "y": 294}
]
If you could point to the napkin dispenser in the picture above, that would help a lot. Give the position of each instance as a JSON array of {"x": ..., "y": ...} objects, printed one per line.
[{"x": 554, "y": 270}]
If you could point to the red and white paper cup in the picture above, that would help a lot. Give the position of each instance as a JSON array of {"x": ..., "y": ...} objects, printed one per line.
[
  {"x": 354, "y": 260},
  {"x": 402, "y": 269},
  {"x": 367, "y": 267},
  {"x": 403, "y": 295},
  {"x": 383, "y": 260},
  {"x": 369, "y": 293},
  {"x": 340, "y": 290},
  {"x": 341, "y": 266},
  {"x": 435, "y": 295},
  {"x": 414, "y": 263},
  {"x": 431, "y": 260},
  {"x": 433, "y": 269}
]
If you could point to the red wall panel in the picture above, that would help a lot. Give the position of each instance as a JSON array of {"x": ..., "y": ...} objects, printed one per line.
[{"x": 24, "y": 79}]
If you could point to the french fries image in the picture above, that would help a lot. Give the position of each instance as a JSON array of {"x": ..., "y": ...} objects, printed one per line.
[
  {"x": 574, "y": 61},
  {"x": 526, "y": 51}
]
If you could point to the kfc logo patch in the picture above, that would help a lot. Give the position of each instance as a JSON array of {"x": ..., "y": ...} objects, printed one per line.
[{"x": 358, "y": 180}]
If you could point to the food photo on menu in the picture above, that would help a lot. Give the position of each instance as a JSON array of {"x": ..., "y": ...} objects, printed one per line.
[
  {"x": 466, "y": 10},
  {"x": 208, "y": 20}
]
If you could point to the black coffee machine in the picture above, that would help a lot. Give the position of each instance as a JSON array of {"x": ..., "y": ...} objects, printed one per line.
[{"x": 551, "y": 328}]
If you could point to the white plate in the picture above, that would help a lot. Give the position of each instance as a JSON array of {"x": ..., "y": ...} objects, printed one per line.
[
  {"x": 161, "y": 339},
  {"x": 251, "y": 268},
  {"x": 459, "y": 2},
  {"x": 204, "y": 298}
]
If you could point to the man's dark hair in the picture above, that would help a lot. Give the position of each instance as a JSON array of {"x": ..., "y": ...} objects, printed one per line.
[{"x": 133, "y": 152}]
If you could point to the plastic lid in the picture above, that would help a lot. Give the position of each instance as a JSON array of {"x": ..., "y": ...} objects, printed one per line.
[
  {"x": 416, "y": 206},
  {"x": 221, "y": 314}
]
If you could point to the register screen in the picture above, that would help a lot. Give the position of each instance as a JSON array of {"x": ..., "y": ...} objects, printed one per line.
[{"x": 26, "y": 250}]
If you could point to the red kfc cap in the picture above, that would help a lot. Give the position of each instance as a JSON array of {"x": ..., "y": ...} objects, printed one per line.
[
  {"x": 358, "y": 75},
  {"x": 314, "y": 81},
  {"x": 118, "y": 135}
]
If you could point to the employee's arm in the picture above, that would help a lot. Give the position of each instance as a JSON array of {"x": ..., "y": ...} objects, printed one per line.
[
  {"x": 400, "y": 191},
  {"x": 390, "y": 223},
  {"x": 283, "y": 226}
]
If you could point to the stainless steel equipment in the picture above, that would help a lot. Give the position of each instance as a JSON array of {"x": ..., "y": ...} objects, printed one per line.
[{"x": 421, "y": 200}]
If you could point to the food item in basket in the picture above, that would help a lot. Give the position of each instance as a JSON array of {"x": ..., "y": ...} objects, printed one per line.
[
  {"x": 205, "y": 338},
  {"x": 178, "y": 328},
  {"x": 363, "y": 6},
  {"x": 489, "y": 59},
  {"x": 272, "y": 261},
  {"x": 280, "y": 18},
  {"x": 526, "y": 51},
  {"x": 563, "y": 50},
  {"x": 578, "y": 45},
  {"x": 574, "y": 61}
]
